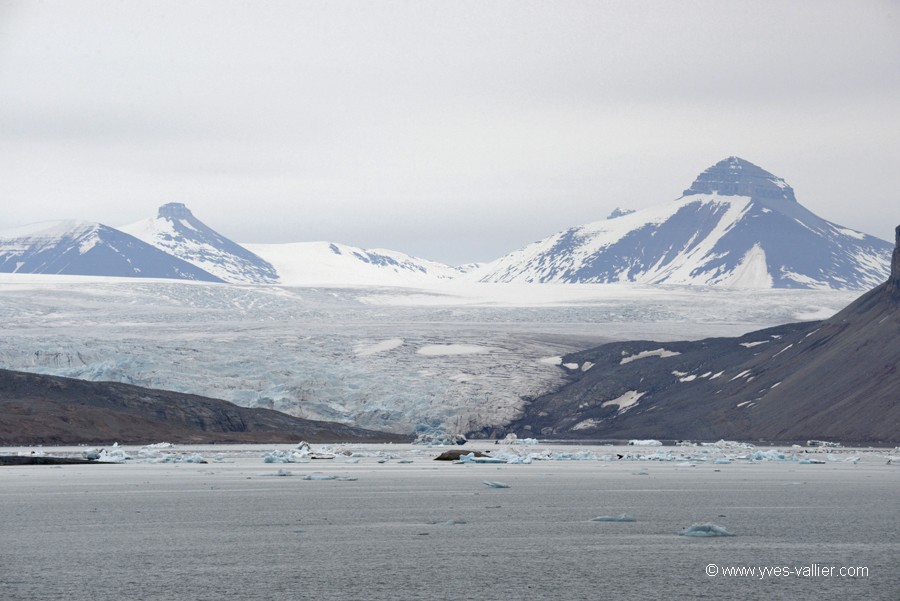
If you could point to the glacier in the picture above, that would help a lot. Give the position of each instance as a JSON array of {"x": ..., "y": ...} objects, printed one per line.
[{"x": 355, "y": 355}]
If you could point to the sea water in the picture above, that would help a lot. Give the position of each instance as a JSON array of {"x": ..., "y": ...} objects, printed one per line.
[{"x": 384, "y": 530}]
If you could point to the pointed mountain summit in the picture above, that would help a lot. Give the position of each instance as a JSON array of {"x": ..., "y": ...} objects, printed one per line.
[
  {"x": 736, "y": 177},
  {"x": 737, "y": 225},
  {"x": 86, "y": 248},
  {"x": 176, "y": 231}
]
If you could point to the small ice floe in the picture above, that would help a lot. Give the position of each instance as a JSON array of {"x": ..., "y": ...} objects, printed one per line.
[
  {"x": 853, "y": 460},
  {"x": 811, "y": 462},
  {"x": 770, "y": 455},
  {"x": 114, "y": 455},
  {"x": 473, "y": 458},
  {"x": 707, "y": 529},
  {"x": 644, "y": 443},
  {"x": 405, "y": 461},
  {"x": 730, "y": 444},
  {"x": 495, "y": 484},
  {"x": 722, "y": 461},
  {"x": 641, "y": 473},
  {"x": 450, "y": 522},
  {"x": 622, "y": 517},
  {"x": 575, "y": 456},
  {"x": 174, "y": 458},
  {"x": 329, "y": 477},
  {"x": 286, "y": 457},
  {"x": 511, "y": 438}
]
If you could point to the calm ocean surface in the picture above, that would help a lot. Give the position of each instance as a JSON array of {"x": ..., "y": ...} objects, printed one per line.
[{"x": 433, "y": 530}]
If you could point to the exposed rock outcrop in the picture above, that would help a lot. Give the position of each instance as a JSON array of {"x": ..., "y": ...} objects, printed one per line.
[
  {"x": 736, "y": 177},
  {"x": 39, "y": 409},
  {"x": 837, "y": 379}
]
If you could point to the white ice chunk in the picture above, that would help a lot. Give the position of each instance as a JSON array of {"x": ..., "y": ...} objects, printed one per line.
[
  {"x": 471, "y": 458},
  {"x": 644, "y": 443},
  {"x": 705, "y": 530},
  {"x": 495, "y": 484},
  {"x": 622, "y": 517},
  {"x": 770, "y": 455}
]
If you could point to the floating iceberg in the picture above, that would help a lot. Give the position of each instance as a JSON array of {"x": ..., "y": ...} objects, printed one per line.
[
  {"x": 705, "y": 530},
  {"x": 279, "y": 457},
  {"x": 513, "y": 439},
  {"x": 575, "y": 456},
  {"x": 194, "y": 458},
  {"x": 116, "y": 455},
  {"x": 622, "y": 517},
  {"x": 770, "y": 455},
  {"x": 472, "y": 458},
  {"x": 495, "y": 484},
  {"x": 329, "y": 477},
  {"x": 644, "y": 443}
]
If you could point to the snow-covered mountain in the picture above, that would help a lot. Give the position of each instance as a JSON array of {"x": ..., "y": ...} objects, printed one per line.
[
  {"x": 176, "y": 231},
  {"x": 737, "y": 225},
  {"x": 86, "y": 248},
  {"x": 329, "y": 263}
]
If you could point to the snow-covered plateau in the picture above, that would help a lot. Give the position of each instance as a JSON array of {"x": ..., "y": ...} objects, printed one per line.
[{"x": 458, "y": 356}]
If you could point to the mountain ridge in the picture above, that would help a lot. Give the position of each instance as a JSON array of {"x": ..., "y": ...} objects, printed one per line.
[
  {"x": 177, "y": 231},
  {"x": 737, "y": 225},
  {"x": 69, "y": 247},
  {"x": 832, "y": 379}
]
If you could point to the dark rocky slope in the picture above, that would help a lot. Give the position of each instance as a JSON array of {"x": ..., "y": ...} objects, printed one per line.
[
  {"x": 38, "y": 409},
  {"x": 835, "y": 379}
]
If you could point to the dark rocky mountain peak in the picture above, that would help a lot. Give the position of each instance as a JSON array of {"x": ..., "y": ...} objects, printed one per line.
[
  {"x": 175, "y": 210},
  {"x": 736, "y": 177},
  {"x": 893, "y": 283}
]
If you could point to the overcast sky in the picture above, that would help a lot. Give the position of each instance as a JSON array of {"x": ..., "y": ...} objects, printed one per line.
[{"x": 455, "y": 131}]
